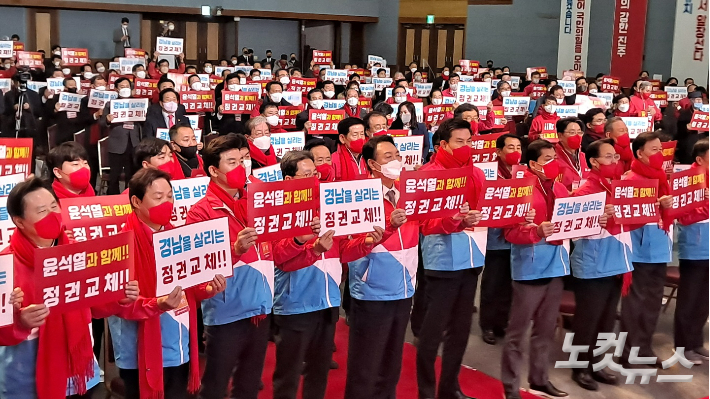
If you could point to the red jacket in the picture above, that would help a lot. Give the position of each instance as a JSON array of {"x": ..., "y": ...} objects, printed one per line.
[
  {"x": 594, "y": 185},
  {"x": 338, "y": 163},
  {"x": 155, "y": 73},
  {"x": 543, "y": 121},
  {"x": 639, "y": 105},
  {"x": 571, "y": 172}
]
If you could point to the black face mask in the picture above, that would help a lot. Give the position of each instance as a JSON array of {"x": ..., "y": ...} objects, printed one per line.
[
  {"x": 268, "y": 55},
  {"x": 188, "y": 152},
  {"x": 293, "y": 58},
  {"x": 246, "y": 53},
  {"x": 72, "y": 90}
]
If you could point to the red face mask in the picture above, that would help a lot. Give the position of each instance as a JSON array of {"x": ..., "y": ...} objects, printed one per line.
[
  {"x": 551, "y": 169},
  {"x": 79, "y": 179},
  {"x": 237, "y": 177},
  {"x": 608, "y": 171},
  {"x": 623, "y": 140},
  {"x": 598, "y": 129},
  {"x": 462, "y": 155},
  {"x": 380, "y": 133},
  {"x": 645, "y": 96},
  {"x": 50, "y": 226},
  {"x": 166, "y": 167},
  {"x": 656, "y": 160},
  {"x": 512, "y": 158},
  {"x": 161, "y": 214},
  {"x": 327, "y": 173},
  {"x": 575, "y": 142},
  {"x": 356, "y": 145}
]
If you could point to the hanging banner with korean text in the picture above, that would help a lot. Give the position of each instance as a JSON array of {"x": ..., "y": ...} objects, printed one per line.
[
  {"x": 610, "y": 84},
  {"x": 428, "y": 194},
  {"x": 573, "y": 36},
  {"x": 197, "y": 101},
  {"x": 15, "y": 156},
  {"x": 576, "y": 217},
  {"x": 84, "y": 274},
  {"x": 304, "y": 85},
  {"x": 483, "y": 147},
  {"x": 690, "y": 41},
  {"x": 351, "y": 207},
  {"x": 285, "y": 142},
  {"x": 282, "y": 209},
  {"x": 628, "y": 39},
  {"x": 191, "y": 255},
  {"x": 476, "y": 93},
  {"x": 30, "y": 59},
  {"x": 635, "y": 201},
  {"x": 321, "y": 57},
  {"x": 688, "y": 191},
  {"x": 287, "y": 116},
  {"x": 239, "y": 102},
  {"x": 169, "y": 46},
  {"x": 505, "y": 202},
  {"x": 88, "y": 218},
  {"x": 700, "y": 121},
  {"x": 74, "y": 56},
  {"x": 186, "y": 193}
]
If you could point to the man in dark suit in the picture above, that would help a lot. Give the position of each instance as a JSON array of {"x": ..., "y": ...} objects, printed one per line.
[
  {"x": 315, "y": 101},
  {"x": 165, "y": 114},
  {"x": 122, "y": 138},
  {"x": 122, "y": 38},
  {"x": 68, "y": 122},
  {"x": 244, "y": 58},
  {"x": 32, "y": 111}
]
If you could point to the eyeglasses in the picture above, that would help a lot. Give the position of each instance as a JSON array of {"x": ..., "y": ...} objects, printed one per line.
[{"x": 610, "y": 157}]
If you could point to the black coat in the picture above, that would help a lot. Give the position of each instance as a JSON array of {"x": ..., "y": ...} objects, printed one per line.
[{"x": 154, "y": 120}]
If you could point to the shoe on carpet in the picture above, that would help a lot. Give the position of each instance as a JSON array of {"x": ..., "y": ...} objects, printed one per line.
[
  {"x": 489, "y": 337},
  {"x": 548, "y": 390},
  {"x": 605, "y": 378},
  {"x": 585, "y": 380}
]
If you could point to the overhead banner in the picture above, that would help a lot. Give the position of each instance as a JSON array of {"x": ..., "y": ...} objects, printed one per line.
[
  {"x": 574, "y": 35},
  {"x": 690, "y": 46},
  {"x": 628, "y": 38}
]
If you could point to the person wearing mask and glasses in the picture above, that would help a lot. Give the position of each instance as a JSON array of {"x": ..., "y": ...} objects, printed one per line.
[{"x": 595, "y": 120}]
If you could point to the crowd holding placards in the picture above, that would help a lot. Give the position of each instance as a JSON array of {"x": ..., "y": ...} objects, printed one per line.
[{"x": 398, "y": 187}]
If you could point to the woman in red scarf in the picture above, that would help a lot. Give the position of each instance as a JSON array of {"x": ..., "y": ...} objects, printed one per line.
[
  {"x": 157, "y": 355},
  {"x": 69, "y": 165},
  {"x": 47, "y": 355},
  {"x": 622, "y": 106},
  {"x": 347, "y": 160},
  {"x": 545, "y": 120},
  {"x": 260, "y": 148}
]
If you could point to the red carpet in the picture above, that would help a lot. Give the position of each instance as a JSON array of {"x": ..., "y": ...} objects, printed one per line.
[{"x": 473, "y": 383}]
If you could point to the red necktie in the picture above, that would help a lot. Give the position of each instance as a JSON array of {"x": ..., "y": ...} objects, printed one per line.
[{"x": 170, "y": 119}]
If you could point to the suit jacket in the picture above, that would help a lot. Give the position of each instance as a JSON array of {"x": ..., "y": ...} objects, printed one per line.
[
  {"x": 30, "y": 117},
  {"x": 245, "y": 59},
  {"x": 66, "y": 127},
  {"x": 118, "y": 136},
  {"x": 119, "y": 44},
  {"x": 154, "y": 119}
]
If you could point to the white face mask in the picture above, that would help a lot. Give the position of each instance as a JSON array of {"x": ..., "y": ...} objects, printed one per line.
[
  {"x": 100, "y": 88},
  {"x": 208, "y": 69},
  {"x": 453, "y": 86},
  {"x": 57, "y": 52},
  {"x": 624, "y": 107},
  {"x": 140, "y": 74},
  {"x": 164, "y": 70},
  {"x": 505, "y": 93},
  {"x": 284, "y": 80},
  {"x": 406, "y": 118},
  {"x": 536, "y": 81},
  {"x": 124, "y": 92},
  {"x": 171, "y": 27},
  {"x": 272, "y": 120},
  {"x": 8, "y": 66},
  {"x": 247, "y": 165},
  {"x": 170, "y": 106},
  {"x": 329, "y": 93},
  {"x": 56, "y": 63},
  {"x": 242, "y": 81},
  {"x": 263, "y": 143},
  {"x": 233, "y": 87},
  {"x": 436, "y": 101},
  {"x": 413, "y": 70},
  {"x": 391, "y": 169},
  {"x": 276, "y": 97},
  {"x": 559, "y": 100},
  {"x": 316, "y": 104},
  {"x": 550, "y": 109},
  {"x": 445, "y": 73},
  {"x": 592, "y": 91},
  {"x": 352, "y": 101},
  {"x": 400, "y": 99},
  {"x": 88, "y": 75},
  {"x": 234, "y": 62},
  {"x": 66, "y": 71},
  {"x": 100, "y": 69},
  {"x": 196, "y": 86}
]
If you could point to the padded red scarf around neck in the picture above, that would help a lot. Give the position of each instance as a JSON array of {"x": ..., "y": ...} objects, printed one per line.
[
  {"x": 624, "y": 152},
  {"x": 664, "y": 188},
  {"x": 238, "y": 206},
  {"x": 63, "y": 192},
  {"x": 448, "y": 161},
  {"x": 150, "y": 348},
  {"x": 65, "y": 350},
  {"x": 261, "y": 157},
  {"x": 503, "y": 170},
  {"x": 349, "y": 165}
]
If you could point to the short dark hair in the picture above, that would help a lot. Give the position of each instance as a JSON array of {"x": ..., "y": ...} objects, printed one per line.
[
  {"x": 140, "y": 181},
  {"x": 290, "y": 160},
  {"x": 136, "y": 66},
  {"x": 641, "y": 140},
  {"x": 174, "y": 129},
  {"x": 212, "y": 153},
  {"x": 166, "y": 91},
  {"x": 16, "y": 199},
  {"x": 370, "y": 115},
  {"x": 619, "y": 98},
  {"x": 685, "y": 82},
  {"x": 449, "y": 125},
  {"x": 589, "y": 116},
  {"x": 312, "y": 91},
  {"x": 345, "y": 125},
  {"x": 146, "y": 149},
  {"x": 313, "y": 143},
  {"x": 69, "y": 151},
  {"x": 384, "y": 108},
  {"x": 273, "y": 83},
  {"x": 163, "y": 61},
  {"x": 465, "y": 107},
  {"x": 97, "y": 77},
  {"x": 67, "y": 80},
  {"x": 265, "y": 105},
  {"x": 124, "y": 19},
  {"x": 370, "y": 148},
  {"x": 532, "y": 153},
  {"x": 328, "y": 82},
  {"x": 500, "y": 141},
  {"x": 121, "y": 80},
  {"x": 554, "y": 88},
  {"x": 594, "y": 148},
  {"x": 700, "y": 148},
  {"x": 535, "y": 73},
  {"x": 562, "y": 124}
]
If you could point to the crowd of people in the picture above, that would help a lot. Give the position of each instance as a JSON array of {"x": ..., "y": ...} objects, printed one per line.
[{"x": 423, "y": 273}]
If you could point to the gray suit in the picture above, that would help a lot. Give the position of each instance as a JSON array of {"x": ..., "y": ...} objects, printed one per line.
[
  {"x": 120, "y": 45},
  {"x": 120, "y": 142}
]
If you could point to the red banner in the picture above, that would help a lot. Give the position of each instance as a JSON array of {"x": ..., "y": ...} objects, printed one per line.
[
  {"x": 75, "y": 56},
  {"x": 430, "y": 194},
  {"x": 146, "y": 88},
  {"x": 541, "y": 70},
  {"x": 700, "y": 121},
  {"x": 688, "y": 191},
  {"x": 635, "y": 201},
  {"x": 610, "y": 84},
  {"x": 113, "y": 78},
  {"x": 30, "y": 59},
  {"x": 498, "y": 114},
  {"x": 505, "y": 202},
  {"x": 304, "y": 85},
  {"x": 322, "y": 57},
  {"x": 483, "y": 147},
  {"x": 15, "y": 156},
  {"x": 660, "y": 97},
  {"x": 18, "y": 46},
  {"x": 282, "y": 209},
  {"x": 469, "y": 67},
  {"x": 134, "y": 52},
  {"x": 287, "y": 116},
  {"x": 435, "y": 114},
  {"x": 239, "y": 102},
  {"x": 215, "y": 80},
  {"x": 197, "y": 101},
  {"x": 84, "y": 274},
  {"x": 668, "y": 154},
  {"x": 94, "y": 217},
  {"x": 537, "y": 91},
  {"x": 325, "y": 121}
]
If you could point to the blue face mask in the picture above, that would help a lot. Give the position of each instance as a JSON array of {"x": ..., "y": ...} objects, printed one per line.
[{"x": 698, "y": 105}]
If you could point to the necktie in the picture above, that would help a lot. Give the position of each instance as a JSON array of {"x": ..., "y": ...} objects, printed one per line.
[
  {"x": 391, "y": 198},
  {"x": 125, "y": 33},
  {"x": 170, "y": 119}
]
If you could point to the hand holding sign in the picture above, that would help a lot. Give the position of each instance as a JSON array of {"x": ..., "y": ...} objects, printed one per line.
[
  {"x": 245, "y": 240},
  {"x": 33, "y": 316},
  {"x": 171, "y": 301},
  {"x": 132, "y": 292},
  {"x": 545, "y": 229}
]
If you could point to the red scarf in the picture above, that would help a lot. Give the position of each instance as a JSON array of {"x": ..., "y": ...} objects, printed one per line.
[
  {"x": 65, "y": 350},
  {"x": 624, "y": 152},
  {"x": 448, "y": 161},
  {"x": 503, "y": 170},
  {"x": 348, "y": 111},
  {"x": 261, "y": 157},
  {"x": 474, "y": 128},
  {"x": 150, "y": 348},
  {"x": 349, "y": 165},
  {"x": 62, "y": 192},
  {"x": 238, "y": 206},
  {"x": 664, "y": 188},
  {"x": 175, "y": 170}
]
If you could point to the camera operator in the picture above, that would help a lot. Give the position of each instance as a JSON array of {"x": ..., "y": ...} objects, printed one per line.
[{"x": 29, "y": 112}]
